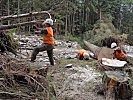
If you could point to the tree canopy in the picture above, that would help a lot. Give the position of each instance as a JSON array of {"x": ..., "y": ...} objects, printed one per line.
[{"x": 76, "y": 16}]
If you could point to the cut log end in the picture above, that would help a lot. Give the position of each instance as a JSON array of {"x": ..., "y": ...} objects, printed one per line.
[{"x": 116, "y": 85}]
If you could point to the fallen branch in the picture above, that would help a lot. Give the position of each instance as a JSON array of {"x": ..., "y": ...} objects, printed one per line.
[
  {"x": 34, "y": 81},
  {"x": 14, "y": 17},
  {"x": 16, "y": 76},
  {"x": 14, "y": 94},
  {"x": 5, "y": 27}
]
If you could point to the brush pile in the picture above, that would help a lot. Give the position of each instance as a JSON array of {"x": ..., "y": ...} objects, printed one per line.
[
  {"x": 17, "y": 81},
  {"x": 8, "y": 43}
]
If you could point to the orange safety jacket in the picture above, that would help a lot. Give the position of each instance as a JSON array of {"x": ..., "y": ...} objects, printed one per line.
[
  {"x": 48, "y": 38},
  {"x": 80, "y": 53},
  {"x": 120, "y": 55}
]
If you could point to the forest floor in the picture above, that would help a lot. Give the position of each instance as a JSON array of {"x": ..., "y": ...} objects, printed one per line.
[{"x": 73, "y": 79}]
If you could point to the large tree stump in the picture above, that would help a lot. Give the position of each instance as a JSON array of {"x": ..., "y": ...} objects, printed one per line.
[{"x": 116, "y": 86}]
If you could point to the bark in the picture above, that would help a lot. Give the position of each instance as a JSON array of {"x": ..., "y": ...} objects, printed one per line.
[
  {"x": 116, "y": 86},
  {"x": 99, "y": 52},
  {"x": 91, "y": 46},
  {"x": 100, "y": 14},
  {"x": 66, "y": 25}
]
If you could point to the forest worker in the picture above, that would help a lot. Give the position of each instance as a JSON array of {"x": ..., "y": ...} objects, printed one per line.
[
  {"x": 48, "y": 41},
  {"x": 118, "y": 53},
  {"x": 82, "y": 54}
]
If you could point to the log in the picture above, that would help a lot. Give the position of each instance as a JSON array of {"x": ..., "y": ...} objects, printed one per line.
[
  {"x": 91, "y": 46},
  {"x": 5, "y": 27},
  {"x": 116, "y": 86},
  {"x": 99, "y": 52},
  {"x": 14, "y": 17}
]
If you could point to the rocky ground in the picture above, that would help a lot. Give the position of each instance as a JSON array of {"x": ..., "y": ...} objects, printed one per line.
[
  {"x": 72, "y": 79},
  {"x": 75, "y": 79}
]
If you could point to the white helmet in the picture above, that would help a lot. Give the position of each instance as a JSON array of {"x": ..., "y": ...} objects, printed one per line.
[
  {"x": 86, "y": 55},
  {"x": 49, "y": 21},
  {"x": 113, "y": 45}
]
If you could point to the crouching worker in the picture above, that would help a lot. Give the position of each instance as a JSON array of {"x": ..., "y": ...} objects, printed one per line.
[
  {"x": 118, "y": 53},
  {"x": 48, "y": 41},
  {"x": 82, "y": 54}
]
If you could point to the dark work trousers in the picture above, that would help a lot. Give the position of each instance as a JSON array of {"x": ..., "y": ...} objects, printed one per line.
[{"x": 44, "y": 47}]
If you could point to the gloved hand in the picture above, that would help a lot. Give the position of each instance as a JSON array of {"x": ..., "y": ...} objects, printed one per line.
[{"x": 44, "y": 31}]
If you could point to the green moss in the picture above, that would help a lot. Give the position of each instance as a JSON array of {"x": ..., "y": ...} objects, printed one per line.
[{"x": 12, "y": 43}]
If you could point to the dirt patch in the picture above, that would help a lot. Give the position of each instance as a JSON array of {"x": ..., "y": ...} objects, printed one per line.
[
  {"x": 75, "y": 82},
  {"x": 78, "y": 82}
]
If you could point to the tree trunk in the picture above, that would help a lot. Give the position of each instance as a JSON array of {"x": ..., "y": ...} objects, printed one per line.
[
  {"x": 116, "y": 86},
  {"x": 91, "y": 46},
  {"x": 66, "y": 26},
  {"x": 99, "y": 52},
  {"x": 100, "y": 14},
  {"x": 8, "y": 11}
]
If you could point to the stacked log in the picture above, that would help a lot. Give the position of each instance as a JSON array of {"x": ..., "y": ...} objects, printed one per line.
[
  {"x": 31, "y": 14},
  {"x": 5, "y": 27},
  {"x": 20, "y": 16}
]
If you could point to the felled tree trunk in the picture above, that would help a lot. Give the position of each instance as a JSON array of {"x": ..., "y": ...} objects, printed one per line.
[
  {"x": 99, "y": 52},
  {"x": 91, "y": 46},
  {"x": 116, "y": 86}
]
